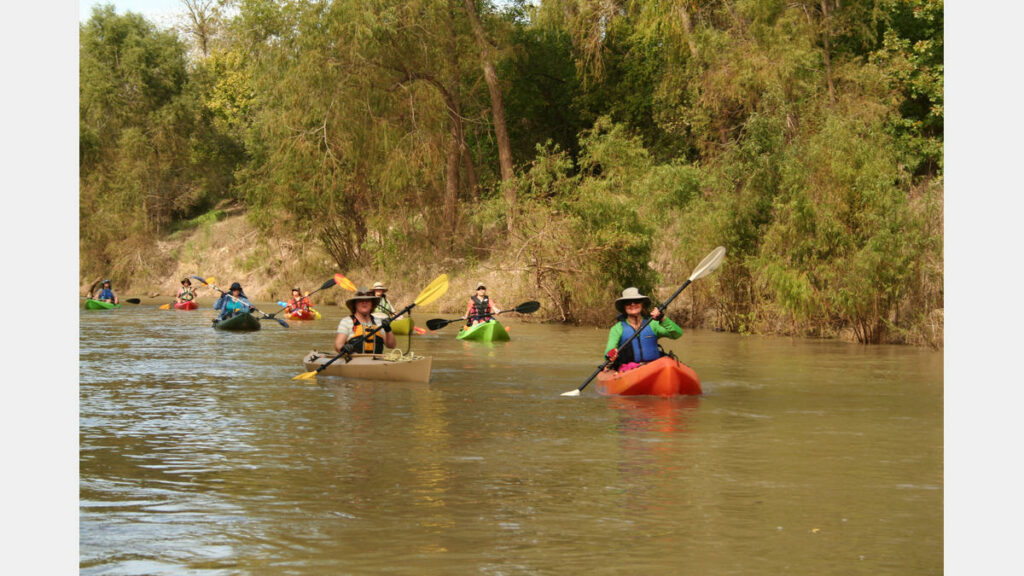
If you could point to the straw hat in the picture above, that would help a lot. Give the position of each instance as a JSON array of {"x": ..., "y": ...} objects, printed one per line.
[
  {"x": 380, "y": 286},
  {"x": 362, "y": 294},
  {"x": 631, "y": 294}
]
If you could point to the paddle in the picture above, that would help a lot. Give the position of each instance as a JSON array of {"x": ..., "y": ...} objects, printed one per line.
[
  {"x": 432, "y": 292},
  {"x": 211, "y": 280},
  {"x": 265, "y": 315},
  {"x": 706, "y": 266},
  {"x": 524, "y": 308},
  {"x": 338, "y": 279}
]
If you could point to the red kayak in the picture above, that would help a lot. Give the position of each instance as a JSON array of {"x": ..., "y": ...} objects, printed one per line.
[
  {"x": 666, "y": 376},
  {"x": 190, "y": 305},
  {"x": 303, "y": 314}
]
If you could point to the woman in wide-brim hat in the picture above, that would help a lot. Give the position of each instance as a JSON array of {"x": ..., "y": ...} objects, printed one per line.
[
  {"x": 361, "y": 323},
  {"x": 233, "y": 302},
  {"x": 384, "y": 308},
  {"x": 632, "y": 307}
]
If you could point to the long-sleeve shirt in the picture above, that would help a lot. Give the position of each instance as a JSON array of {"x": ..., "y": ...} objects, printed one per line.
[{"x": 662, "y": 328}]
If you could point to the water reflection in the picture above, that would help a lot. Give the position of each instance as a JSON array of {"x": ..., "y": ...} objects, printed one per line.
[{"x": 199, "y": 454}]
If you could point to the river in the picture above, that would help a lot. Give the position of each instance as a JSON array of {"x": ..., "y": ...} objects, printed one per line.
[{"x": 199, "y": 454}]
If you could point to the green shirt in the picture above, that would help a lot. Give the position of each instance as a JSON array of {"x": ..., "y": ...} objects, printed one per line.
[{"x": 661, "y": 328}]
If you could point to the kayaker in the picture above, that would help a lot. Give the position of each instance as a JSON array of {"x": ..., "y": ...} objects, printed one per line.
[
  {"x": 481, "y": 307},
  {"x": 106, "y": 293},
  {"x": 232, "y": 302},
  {"x": 362, "y": 320},
  {"x": 384, "y": 308},
  {"x": 632, "y": 307},
  {"x": 186, "y": 293},
  {"x": 298, "y": 302}
]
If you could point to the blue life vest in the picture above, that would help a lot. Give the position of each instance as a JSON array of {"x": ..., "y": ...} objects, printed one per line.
[
  {"x": 645, "y": 346},
  {"x": 106, "y": 294}
]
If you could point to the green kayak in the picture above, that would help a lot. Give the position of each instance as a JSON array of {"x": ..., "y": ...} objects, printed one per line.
[
  {"x": 91, "y": 304},
  {"x": 490, "y": 331},
  {"x": 240, "y": 322}
]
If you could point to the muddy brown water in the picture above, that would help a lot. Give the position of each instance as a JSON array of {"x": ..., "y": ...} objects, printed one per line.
[{"x": 200, "y": 455}]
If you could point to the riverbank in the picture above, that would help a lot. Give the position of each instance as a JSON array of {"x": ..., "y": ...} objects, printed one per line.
[{"x": 229, "y": 249}]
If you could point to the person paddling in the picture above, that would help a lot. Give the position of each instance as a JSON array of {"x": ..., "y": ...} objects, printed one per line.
[
  {"x": 186, "y": 293},
  {"x": 481, "y": 307},
  {"x": 632, "y": 307},
  {"x": 106, "y": 294},
  {"x": 298, "y": 302},
  {"x": 361, "y": 321},
  {"x": 384, "y": 308},
  {"x": 233, "y": 302}
]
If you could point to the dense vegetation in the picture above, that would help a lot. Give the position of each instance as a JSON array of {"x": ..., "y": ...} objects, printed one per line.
[{"x": 586, "y": 145}]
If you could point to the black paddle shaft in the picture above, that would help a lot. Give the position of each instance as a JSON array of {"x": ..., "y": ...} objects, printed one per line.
[
  {"x": 636, "y": 333},
  {"x": 347, "y": 349}
]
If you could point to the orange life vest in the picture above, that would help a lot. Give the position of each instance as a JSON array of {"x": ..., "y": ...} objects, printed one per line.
[{"x": 372, "y": 344}]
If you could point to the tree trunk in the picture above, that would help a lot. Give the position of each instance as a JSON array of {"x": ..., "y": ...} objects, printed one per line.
[
  {"x": 497, "y": 111},
  {"x": 688, "y": 28},
  {"x": 827, "y": 33}
]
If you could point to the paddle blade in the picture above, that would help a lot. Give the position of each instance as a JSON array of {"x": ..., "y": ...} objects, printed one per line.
[
  {"x": 709, "y": 263},
  {"x": 305, "y": 376},
  {"x": 282, "y": 304},
  {"x": 165, "y": 306},
  {"x": 203, "y": 280},
  {"x": 528, "y": 307},
  {"x": 326, "y": 285},
  {"x": 133, "y": 301},
  {"x": 345, "y": 283},
  {"x": 571, "y": 393},
  {"x": 437, "y": 323},
  {"x": 433, "y": 291}
]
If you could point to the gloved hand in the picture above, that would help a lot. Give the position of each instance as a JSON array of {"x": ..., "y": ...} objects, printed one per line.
[
  {"x": 386, "y": 324},
  {"x": 612, "y": 354}
]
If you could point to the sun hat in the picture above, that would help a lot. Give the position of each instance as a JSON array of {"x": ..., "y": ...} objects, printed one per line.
[
  {"x": 380, "y": 286},
  {"x": 480, "y": 285},
  {"x": 236, "y": 286},
  {"x": 630, "y": 294},
  {"x": 362, "y": 294},
  {"x": 184, "y": 280}
]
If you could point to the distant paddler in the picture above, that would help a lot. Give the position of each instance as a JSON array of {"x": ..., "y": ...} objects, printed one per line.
[
  {"x": 106, "y": 293},
  {"x": 384, "y": 308}
]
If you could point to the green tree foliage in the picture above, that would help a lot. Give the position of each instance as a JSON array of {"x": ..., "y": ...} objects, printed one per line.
[{"x": 806, "y": 136}]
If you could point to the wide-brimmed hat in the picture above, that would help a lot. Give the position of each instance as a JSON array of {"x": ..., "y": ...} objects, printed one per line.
[
  {"x": 236, "y": 286},
  {"x": 630, "y": 294},
  {"x": 380, "y": 286},
  {"x": 186, "y": 280},
  {"x": 296, "y": 289},
  {"x": 480, "y": 285},
  {"x": 362, "y": 294}
]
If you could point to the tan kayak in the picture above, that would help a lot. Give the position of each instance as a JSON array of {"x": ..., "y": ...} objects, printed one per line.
[{"x": 389, "y": 366}]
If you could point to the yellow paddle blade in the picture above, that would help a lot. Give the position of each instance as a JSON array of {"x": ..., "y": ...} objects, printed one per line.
[
  {"x": 433, "y": 291},
  {"x": 305, "y": 376},
  {"x": 345, "y": 283},
  {"x": 165, "y": 306},
  {"x": 211, "y": 280}
]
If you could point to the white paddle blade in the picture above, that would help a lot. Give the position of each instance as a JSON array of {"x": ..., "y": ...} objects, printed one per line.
[
  {"x": 571, "y": 393},
  {"x": 709, "y": 263}
]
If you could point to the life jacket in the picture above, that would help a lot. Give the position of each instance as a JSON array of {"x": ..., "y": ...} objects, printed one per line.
[
  {"x": 187, "y": 295},
  {"x": 384, "y": 307},
  {"x": 301, "y": 303},
  {"x": 373, "y": 344},
  {"x": 481, "y": 308},
  {"x": 643, "y": 348},
  {"x": 105, "y": 294}
]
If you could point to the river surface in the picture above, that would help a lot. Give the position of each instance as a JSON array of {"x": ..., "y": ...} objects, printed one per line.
[{"x": 199, "y": 454}]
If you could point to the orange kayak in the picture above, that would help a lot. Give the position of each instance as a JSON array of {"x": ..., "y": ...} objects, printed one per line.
[
  {"x": 190, "y": 305},
  {"x": 666, "y": 376}
]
